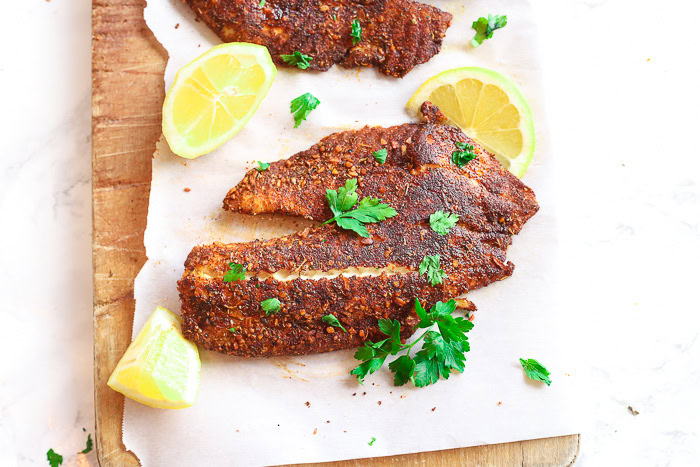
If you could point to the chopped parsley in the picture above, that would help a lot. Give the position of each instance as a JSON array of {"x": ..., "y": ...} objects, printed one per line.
[
  {"x": 88, "y": 445},
  {"x": 464, "y": 154},
  {"x": 236, "y": 273},
  {"x": 442, "y": 350},
  {"x": 233, "y": 330},
  {"x": 370, "y": 210},
  {"x": 270, "y": 306},
  {"x": 431, "y": 267},
  {"x": 535, "y": 370},
  {"x": 297, "y": 59},
  {"x": 54, "y": 458},
  {"x": 373, "y": 440},
  {"x": 302, "y": 106},
  {"x": 262, "y": 166},
  {"x": 441, "y": 222},
  {"x": 262, "y": 3},
  {"x": 485, "y": 27},
  {"x": 356, "y": 32},
  {"x": 380, "y": 156},
  {"x": 333, "y": 321}
]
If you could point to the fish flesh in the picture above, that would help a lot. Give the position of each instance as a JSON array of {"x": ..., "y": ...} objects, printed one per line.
[
  {"x": 327, "y": 270},
  {"x": 396, "y": 35}
]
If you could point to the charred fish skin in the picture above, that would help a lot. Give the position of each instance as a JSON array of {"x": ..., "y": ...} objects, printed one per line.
[
  {"x": 396, "y": 35},
  {"x": 417, "y": 178}
]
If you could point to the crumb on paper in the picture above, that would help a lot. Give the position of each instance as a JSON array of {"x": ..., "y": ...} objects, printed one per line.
[
  {"x": 187, "y": 190},
  {"x": 315, "y": 430},
  {"x": 307, "y": 403},
  {"x": 328, "y": 421},
  {"x": 500, "y": 403},
  {"x": 379, "y": 402},
  {"x": 632, "y": 411},
  {"x": 403, "y": 396},
  {"x": 433, "y": 409},
  {"x": 364, "y": 393},
  {"x": 354, "y": 393},
  {"x": 177, "y": 25}
]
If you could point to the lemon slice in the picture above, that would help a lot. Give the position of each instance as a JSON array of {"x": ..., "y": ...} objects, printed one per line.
[
  {"x": 160, "y": 368},
  {"x": 214, "y": 96},
  {"x": 488, "y": 107}
]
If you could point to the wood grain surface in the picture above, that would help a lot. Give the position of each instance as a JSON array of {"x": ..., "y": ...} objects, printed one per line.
[{"x": 127, "y": 95}]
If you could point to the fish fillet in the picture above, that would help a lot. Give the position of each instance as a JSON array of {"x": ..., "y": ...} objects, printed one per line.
[
  {"x": 396, "y": 35},
  {"x": 327, "y": 270}
]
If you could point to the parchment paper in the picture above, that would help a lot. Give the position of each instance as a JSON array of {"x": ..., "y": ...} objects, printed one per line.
[{"x": 290, "y": 410}]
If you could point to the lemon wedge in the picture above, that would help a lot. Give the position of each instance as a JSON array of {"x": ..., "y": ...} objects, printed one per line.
[
  {"x": 160, "y": 368},
  {"x": 488, "y": 107},
  {"x": 214, "y": 96}
]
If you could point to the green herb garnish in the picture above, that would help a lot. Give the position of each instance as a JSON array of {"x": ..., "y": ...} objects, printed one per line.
[
  {"x": 262, "y": 166},
  {"x": 262, "y": 3},
  {"x": 485, "y": 27},
  {"x": 373, "y": 440},
  {"x": 302, "y": 106},
  {"x": 464, "y": 155},
  {"x": 380, "y": 156},
  {"x": 270, "y": 306},
  {"x": 297, "y": 59},
  {"x": 356, "y": 32},
  {"x": 236, "y": 273},
  {"x": 431, "y": 267},
  {"x": 333, "y": 321},
  {"x": 441, "y": 222},
  {"x": 233, "y": 330},
  {"x": 442, "y": 350},
  {"x": 369, "y": 211},
  {"x": 54, "y": 458},
  {"x": 88, "y": 445},
  {"x": 535, "y": 370}
]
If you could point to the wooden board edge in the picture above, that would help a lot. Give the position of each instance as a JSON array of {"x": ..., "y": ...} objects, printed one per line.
[{"x": 128, "y": 66}]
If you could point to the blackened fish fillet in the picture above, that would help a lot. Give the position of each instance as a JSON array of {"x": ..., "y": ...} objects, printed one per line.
[
  {"x": 381, "y": 278},
  {"x": 396, "y": 35}
]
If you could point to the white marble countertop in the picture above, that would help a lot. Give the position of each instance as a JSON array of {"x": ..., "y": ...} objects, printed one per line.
[{"x": 622, "y": 83}]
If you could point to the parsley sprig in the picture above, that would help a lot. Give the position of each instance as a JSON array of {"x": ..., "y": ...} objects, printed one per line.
[
  {"x": 356, "y": 32},
  {"x": 54, "y": 458},
  {"x": 333, "y": 321},
  {"x": 302, "y": 106},
  {"x": 380, "y": 156},
  {"x": 442, "y": 350},
  {"x": 236, "y": 272},
  {"x": 485, "y": 27},
  {"x": 262, "y": 166},
  {"x": 270, "y": 306},
  {"x": 369, "y": 211},
  {"x": 431, "y": 266},
  {"x": 88, "y": 445},
  {"x": 464, "y": 154},
  {"x": 535, "y": 370},
  {"x": 298, "y": 59},
  {"x": 441, "y": 221}
]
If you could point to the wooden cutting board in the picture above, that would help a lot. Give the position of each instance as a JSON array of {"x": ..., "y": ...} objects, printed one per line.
[{"x": 127, "y": 96}]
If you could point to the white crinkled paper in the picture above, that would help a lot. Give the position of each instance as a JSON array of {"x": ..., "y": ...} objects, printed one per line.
[{"x": 309, "y": 409}]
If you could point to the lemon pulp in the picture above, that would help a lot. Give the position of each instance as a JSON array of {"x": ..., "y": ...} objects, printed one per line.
[{"x": 488, "y": 107}]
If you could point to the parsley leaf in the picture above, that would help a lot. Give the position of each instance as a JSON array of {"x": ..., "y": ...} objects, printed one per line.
[
  {"x": 380, "y": 156},
  {"x": 431, "y": 267},
  {"x": 262, "y": 166},
  {"x": 465, "y": 154},
  {"x": 88, "y": 445},
  {"x": 485, "y": 27},
  {"x": 270, "y": 306},
  {"x": 441, "y": 222},
  {"x": 373, "y": 440},
  {"x": 442, "y": 350},
  {"x": 369, "y": 211},
  {"x": 298, "y": 59},
  {"x": 233, "y": 330},
  {"x": 54, "y": 458},
  {"x": 262, "y": 3},
  {"x": 356, "y": 32},
  {"x": 535, "y": 370},
  {"x": 333, "y": 321},
  {"x": 236, "y": 273},
  {"x": 302, "y": 106}
]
